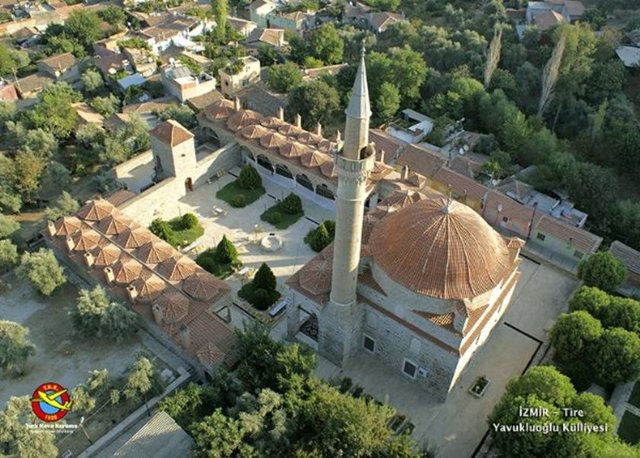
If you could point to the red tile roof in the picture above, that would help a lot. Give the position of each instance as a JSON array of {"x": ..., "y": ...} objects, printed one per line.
[
  {"x": 579, "y": 238},
  {"x": 627, "y": 255},
  {"x": 421, "y": 161},
  {"x": 171, "y": 133}
]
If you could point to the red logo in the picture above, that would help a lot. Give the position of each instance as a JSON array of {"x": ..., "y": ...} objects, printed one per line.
[{"x": 50, "y": 402}]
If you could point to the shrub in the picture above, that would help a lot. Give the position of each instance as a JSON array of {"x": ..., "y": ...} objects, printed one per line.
[
  {"x": 603, "y": 271},
  {"x": 320, "y": 237},
  {"x": 239, "y": 201},
  {"x": 264, "y": 278},
  {"x": 249, "y": 178},
  {"x": 292, "y": 204},
  {"x": 43, "y": 270},
  {"x": 273, "y": 217},
  {"x": 189, "y": 221},
  {"x": 162, "y": 229},
  {"x": 261, "y": 299},
  {"x": 226, "y": 253}
]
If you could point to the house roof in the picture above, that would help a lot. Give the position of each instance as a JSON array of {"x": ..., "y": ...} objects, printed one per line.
[
  {"x": 385, "y": 142},
  {"x": 109, "y": 62},
  {"x": 200, "y": 102},
  {"x": 579, "y": 238},
  {"x": 627, "y": 255},
  {"x": 33, "y": 82},
  {"x": 88, "y": 114},
  {"x": 460, "y": 184},
  {"x": 629, "y": 55},
  {"x": 159, "y": 104},
  {"x": 574, "y": 8},
  {"x": 171, "y": 133},
  {"x": 548, "y": 19},
  {"x": 509, "y": 207},
  {"x": 421, "y": 161},
  {"x": 160, "y": 437},
  {"x": 170, "y": 28},
  {"x": 274, "y": 37},
  {"x": 59, "y": 62},
  {"x": 440, "y": 248},
  {"x": 240, "y": 24},
  {"x": 99, "y": 227},
  {"x": 381, "y": 20}
]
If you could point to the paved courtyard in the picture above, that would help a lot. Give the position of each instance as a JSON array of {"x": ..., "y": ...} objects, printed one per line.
[{"x": 457, "y": 426}]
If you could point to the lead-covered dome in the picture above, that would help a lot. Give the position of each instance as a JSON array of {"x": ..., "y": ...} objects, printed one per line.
[{"x": 440, "y": 248}]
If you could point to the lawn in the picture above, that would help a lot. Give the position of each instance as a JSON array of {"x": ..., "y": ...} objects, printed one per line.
[
  {"x": 230, "y": 194},
  {"x": 277, "y": 216},
  {"x": 207, "y": 260},
  {"x": 184, "y": 235},
  {"x": 634, "y": 399},
  {"x": 629, "y": 430}
]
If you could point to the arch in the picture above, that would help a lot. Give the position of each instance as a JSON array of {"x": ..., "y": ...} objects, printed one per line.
[
  {"x": 283, "y": 170},
  {"x": 248, "y": 154},
  {"x": 304, "y": 180},
  {"x": 324, "y": 191},
  {"x": 265, "y": 162}
]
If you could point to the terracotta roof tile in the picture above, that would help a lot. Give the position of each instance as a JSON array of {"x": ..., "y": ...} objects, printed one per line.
[
  {"x": 171, "y": 133},
  {"x": 293, "y": 149},
  {"x": 95, "y": 210},
  {"x": 421, "y": 161},
  {"x": 126, "y": 270},
  {"x": 309, "y": 138},
  {"x": 203, "y": 286},
  {"x": 314, "y": 159},
  {"x": 176, "y": 268},
  {"x": 67, "y": 225},
  {"x": 448, "y": 254},
  {"x": 113, "y": 225},
  {"x": 85, "y": 239},
  {"x": 174, "y": 306},
  {"x": 316, "y": 276},
  {"x": 155, "y": 252},
  {"x": 272, "y": 140},
  {"x": 460, "y": 184},
  {"x": 272, "y": 122},
  {"x": 106, "y": 255},
  {"x": 290, "y": 130},
  {"x": 581, "y": 239},
  {"x": 243, "y": 118},
  {"x": 444, "y": 320},
  {"x": 149, "y": 286},
  {"x": 329, "y": 169},
  {"x": 220, "y": 109},
  {"x": 385, "y": 142},
  {"x": 134, "y": 237},
  {"x": 253, "y": 131}
]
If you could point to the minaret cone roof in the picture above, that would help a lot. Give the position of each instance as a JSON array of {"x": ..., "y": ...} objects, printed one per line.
[{"x": 359, "y": 106}]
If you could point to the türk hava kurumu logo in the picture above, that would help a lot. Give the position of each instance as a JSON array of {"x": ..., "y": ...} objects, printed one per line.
[{"x": 50, "y": 402}]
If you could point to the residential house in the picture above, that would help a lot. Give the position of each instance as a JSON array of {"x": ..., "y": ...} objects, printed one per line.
[
  {"x": 555, "y": 239},
  {"x": 179, "y": 81},
  {"x": 232, "y": 79},
  {"x": 7, "y": 91},
  {"x": 629, "y": 55},
  {"x": 272, "y": 37},
  {"x": 198, "y": 104},
  {"x": 87, "y": 115},
  {"x": 259, "y": 98},
  {"x": 503, "y": 212},
  {"x": 26, "y": 36},
  {"x": 296, "y": 21},
  {"x": 112, "y": 63},
  {"x": 242, "y": 26},
  {"x": 388, "y": 148},
  {"x": 143, "y": 61},
  {"x": 378, "y": 21},
  {"x": 164, "y": 34},
  {"x": 552, "y": 12},
  {"x": 631, "y": 260},
  {"x": 30, "y": 86},
  {"x": 259, "y": 10},
  {"x": 62, "y": 67},
  {"x": 410, "y": 127}
]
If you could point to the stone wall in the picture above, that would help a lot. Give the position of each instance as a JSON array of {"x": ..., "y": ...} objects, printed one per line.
[
  {"x": 340, "y": 332},
  {"x": 394, "y": 343},
  {"x": 136, "y": 173},
  {"x": 224, "y": 159},
  {"x": 143, "y": 206}
]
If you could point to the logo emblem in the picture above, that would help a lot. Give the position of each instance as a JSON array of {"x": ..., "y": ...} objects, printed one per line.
[{"x": 50, "y": 402}]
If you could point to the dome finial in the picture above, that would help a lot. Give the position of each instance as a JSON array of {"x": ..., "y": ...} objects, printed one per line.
[{"x": 447, "y": 207}]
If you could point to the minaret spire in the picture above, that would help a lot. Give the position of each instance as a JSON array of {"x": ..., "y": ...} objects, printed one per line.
[{"x": 358, "y": 113}]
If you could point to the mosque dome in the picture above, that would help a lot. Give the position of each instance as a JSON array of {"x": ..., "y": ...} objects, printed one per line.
[{"x": 440, "y": 248}]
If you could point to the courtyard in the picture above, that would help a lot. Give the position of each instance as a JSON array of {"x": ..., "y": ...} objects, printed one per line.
[{"x": 456, "y": 428}]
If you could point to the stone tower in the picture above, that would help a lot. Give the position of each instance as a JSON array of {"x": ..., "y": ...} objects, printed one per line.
[
  {"x": 341, "y": 321},
  {"x": 174, "y": 151}
]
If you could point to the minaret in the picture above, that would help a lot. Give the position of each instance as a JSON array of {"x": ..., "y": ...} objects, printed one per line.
[{"x": 353, "y": 167}]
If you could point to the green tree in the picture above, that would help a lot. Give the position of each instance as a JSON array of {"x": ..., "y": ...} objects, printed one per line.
[
  {"x": 249, "y": 178},
  {"x": 55, "y": 178},
  {"x": 592, "y": 300},
  {"x": 163, "y": 230},
  {"x": 41, "y": 268},
  {"x": 573, "y": 334},
  {"x": 616, "y": 357},
  {"x": 54, "y": 113},
  {"x": 17, "y": 439},
  {"x": 92, "y": 80},
  {"x": 220, "y": 8},
  {"x": 264, "y": 278},
  {"x": 8, "y": 226},
  {"x": 15, "y": 346},
  {"x": 315, "y": 101},
  {"x": 8, "y": 254},
  {"x": 143, "y": 380},
  {"x": 388, "y": 101},
  {"x": 39, "y": 142},
  {"x": 83, "y": 401},
  {"x": 188, "y": 404},
  {"x": 325, "y": 44},
  {"x": 219, "y": 436},
  {"x": 319, "y": 238},
  {"x": 65, "y": 205},
  {"x": 225, "y": 252},
  {"x": 602, "y": 270},
  {"x": 83, "y": 26},
  {"x": 622, "y": 313},
  {"x": 27, "y": 171},
  {"x": 268, "y": 55},
  {"x": 283, "y": 77},
  {"x": 106, "y": 106},
  {"x": 182, "y": 114},
  {"x": 113, "y": 15}
]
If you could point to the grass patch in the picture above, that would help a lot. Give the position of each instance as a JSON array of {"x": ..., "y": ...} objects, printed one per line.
[
  {"x": 207, "y": 260},
  {"x": 275, "y": 216},
  {"x": 230, "y": 194},
  {"x": 629, "y": 430},
  {"x": 634, "y": 399},
  {"x": 185, "y": 235}
]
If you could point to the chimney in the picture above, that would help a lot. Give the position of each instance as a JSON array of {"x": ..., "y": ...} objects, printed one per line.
[
  {"x": 298, "y": 120},
  {"x": 89, "y": 260},
  {"x": 281, "y": 113},
  {"x": 52, "y": 228},
  {"x": 404, "y": 172},
  {"x": 381, "y": 156},
  {"x": 157, "y": 313},
  {"x": 236, "y": 104},
  {"x": 70, "y": 243},
  {"x": 339, "y": 139},
  {"x": 132, "y": 292},
  {"x": 185, "y": 336},
  {"x": 109, "y": 275},
  {"x": 319, "y": 129}
]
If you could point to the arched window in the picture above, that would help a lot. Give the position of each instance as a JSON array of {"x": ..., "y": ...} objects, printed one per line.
[
  {"x": 265, "y": 162},
  {"x": 283, "y": 170},
  {"x": 324, "y": 191}
]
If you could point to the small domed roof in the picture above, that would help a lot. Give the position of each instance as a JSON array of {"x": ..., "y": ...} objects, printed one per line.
[{"x": 440, "y": 248}]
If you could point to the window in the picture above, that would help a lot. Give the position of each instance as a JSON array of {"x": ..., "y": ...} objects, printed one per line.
[
  {"x": 409, "y": 368},
  {"x": 578, "y": 254},
  {"x": 369, "y": 344},
  {"x": 541, "y": 237}
]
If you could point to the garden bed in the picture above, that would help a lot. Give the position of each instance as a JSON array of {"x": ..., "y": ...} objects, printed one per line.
[
  {"x": 185, "y": 236},
  {"x": 207, "y": 260},
  {"x": 629, "y": 430},
  {"x": 230, "y": 194},
  {"x": 247, "y": 291}
]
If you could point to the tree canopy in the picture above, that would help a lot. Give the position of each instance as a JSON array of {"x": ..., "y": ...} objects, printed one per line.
[
  {"x": 41, "y": 268},
  {"x": 602, "y": 270},
  {"x": 15, "y": 347}
]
